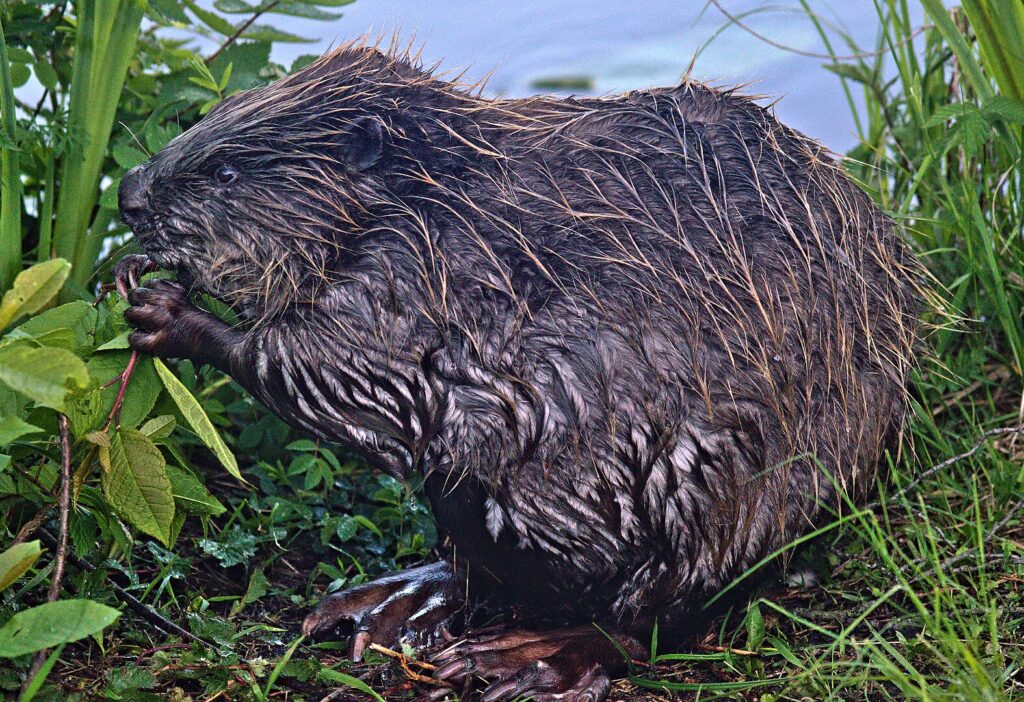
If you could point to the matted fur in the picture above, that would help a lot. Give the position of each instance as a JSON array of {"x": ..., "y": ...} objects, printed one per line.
[{"x": 633, "y": 344}]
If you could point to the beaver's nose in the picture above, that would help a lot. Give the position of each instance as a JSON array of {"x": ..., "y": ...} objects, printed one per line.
[{"x": 133, "y": 196}]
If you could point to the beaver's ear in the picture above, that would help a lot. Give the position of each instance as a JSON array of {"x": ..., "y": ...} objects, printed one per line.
[{"x": 364, "y": 142}]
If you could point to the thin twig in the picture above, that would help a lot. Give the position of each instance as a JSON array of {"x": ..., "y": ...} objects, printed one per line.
[
  {"x": 65, "y": 506},
  {"x": 985, "y": 436},
  {"x": 62, "y": 541},
  {"x": 238, "y": 32},
  {"x": 404, "y": 661},
  {"x": 115, "y": 412},
  {"x": 31, "y": 525}
]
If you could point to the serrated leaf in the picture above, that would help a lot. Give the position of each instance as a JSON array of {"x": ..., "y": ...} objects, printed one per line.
[
  {"x": 77, "y": 319},
  {"x": 136, "y": 483},
  {"x": 755, "y": 627},
  {"x": 43, "y": 375},
  {"x": 191, "y": 494},
  {"x": 16, "y": 560},
  {"x": 128, "y": 156},
  {"x": 302, "y": 61},
  {"x": 234, "y": 6},
  {"x": 974, "y": 133},
  {"x": 1005, "y": 108},
  {"x": 158, "y": 136},
  {"x": 13, "y": 428},
  {"x": 52, "y": 624},
  {"x": 100, "y": 438},
  {"x": 210, "y": 19},
  {"x": 33, "y": 289},
  {"x": 170, "y": 9},
  {"x": 304, "y": 9},
  {"x": 247, "y": 59},
  {"x": 264, "y": 32},
  {"x": 142, "y": 392},
  {"x": 956, "y": 110},
  {"x": 197, "y": 419},
  {"x": 108, "y": 199}
]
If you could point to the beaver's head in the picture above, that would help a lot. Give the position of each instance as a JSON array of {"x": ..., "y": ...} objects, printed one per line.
[{"x": 262, "y": 198}]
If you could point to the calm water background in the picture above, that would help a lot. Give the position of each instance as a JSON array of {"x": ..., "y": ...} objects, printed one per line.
[{"x": 619, "y": 45}]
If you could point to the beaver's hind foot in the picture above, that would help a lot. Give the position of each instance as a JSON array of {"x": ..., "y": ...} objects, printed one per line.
[
  {"x": 413, "y": 606},
  {"x": 561, "y": 665}
]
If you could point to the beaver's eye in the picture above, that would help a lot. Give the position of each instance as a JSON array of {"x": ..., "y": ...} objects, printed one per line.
[{"x": 225, "y": 175}]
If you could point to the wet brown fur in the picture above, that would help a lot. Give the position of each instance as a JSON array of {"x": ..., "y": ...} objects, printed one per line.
[{"x": 633, "y": 344}]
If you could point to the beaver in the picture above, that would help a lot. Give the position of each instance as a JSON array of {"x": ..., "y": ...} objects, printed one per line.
[{"x": 629, "y": 345}]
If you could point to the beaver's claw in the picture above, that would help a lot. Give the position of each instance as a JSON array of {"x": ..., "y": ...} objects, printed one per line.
[
  {"x": 129, "y": 270},
  {"x": 413, "y": 606},
  {"x": 562, "y": 665},
  {"x": 167, "y": 323}
]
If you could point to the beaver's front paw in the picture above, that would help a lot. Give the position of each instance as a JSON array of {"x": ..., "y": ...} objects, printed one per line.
[
  {"x": 167, "y": 323},
  {"x": 413, "y": 606},
  {"x": 129, "y": 270}
]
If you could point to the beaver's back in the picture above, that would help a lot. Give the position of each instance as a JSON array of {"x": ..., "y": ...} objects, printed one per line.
[{"x": 719, "y": 324}]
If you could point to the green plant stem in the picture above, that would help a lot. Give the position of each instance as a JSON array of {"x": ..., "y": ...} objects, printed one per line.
[
  {"x": 10, "y": 176},
  {"x": 104, "y": 44},
  {"x": 43, "y": 250}
]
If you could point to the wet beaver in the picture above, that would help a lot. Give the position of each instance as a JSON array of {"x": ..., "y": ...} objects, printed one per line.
[{"x": 631, "y": 345}]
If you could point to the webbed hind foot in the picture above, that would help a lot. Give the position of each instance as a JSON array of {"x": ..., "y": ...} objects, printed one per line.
[
  {"x": 412, "y": 606},
  {"x": 562, "y": 665}
]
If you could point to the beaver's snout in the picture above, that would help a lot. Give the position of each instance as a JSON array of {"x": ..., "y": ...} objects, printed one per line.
[{"x": 133, "y": 198}]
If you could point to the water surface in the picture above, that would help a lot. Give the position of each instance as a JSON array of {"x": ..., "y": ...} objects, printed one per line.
[{"x": 619, "y": 46}]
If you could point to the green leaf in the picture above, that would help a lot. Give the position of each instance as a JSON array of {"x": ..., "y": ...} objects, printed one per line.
[
  {"x": 246, "y": 60},
  {"x": 857, "y": 73},
  {"x": 1005, "y": 108},
  {"x": 16, "y": 560},
  {"x": 257, "y": 588},
  {"x": 264, "y": 32},
  {"x": 75, "y": 322},
  {"x": 159, "y": 428},
  {"x": 755, "y": 627},
  {"x": 304, "y": 9},
  {"x": 33, "y": 289},
  {"x": 191, "y": 494},
  {"x": 136, "y": 483},
  {"x": 12, "y": 429},
  {"x": 53, "y": 623},
  {"x": 44, "y": 375},
  {"x": 211, "y": 19},
  {"x": 169, "y": 9},
  {"x": 974, "y": 133},
  {"x": 142, "y": 392},
  {"x": 334, "y": 676},
  {"x": 955, "y": 110},
  {"x": 45, "y": 74},
  {"x": 117, "y": 343},
  {"x": 128, "y": 156},
  {"x": 197, "y": 419},
  {"x": 20, "y": 74},
  {"x": 234, "y": 6}
]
